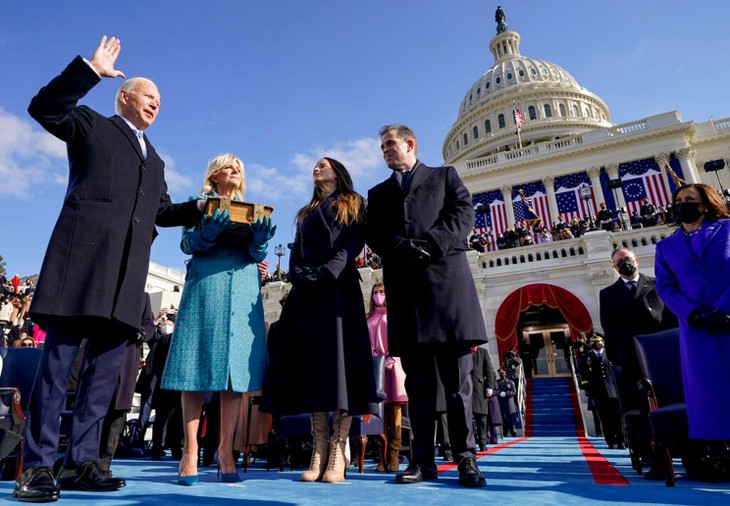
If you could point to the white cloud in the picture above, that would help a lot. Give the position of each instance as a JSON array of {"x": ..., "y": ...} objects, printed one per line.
[
  {"x": 29, "y": 158},
  {"x": 362, "y": 158},
  {"x": 177, "y": 182}
]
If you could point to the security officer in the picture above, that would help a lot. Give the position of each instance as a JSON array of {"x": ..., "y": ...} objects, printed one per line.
[{"x": 599, "y": 385}]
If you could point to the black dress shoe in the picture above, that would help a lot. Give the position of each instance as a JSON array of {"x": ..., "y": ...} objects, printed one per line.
[
  {"x": 448, "y": 456},
  {"x": 415, "y": 474},
  {"x": 611, "y": 447},
  {"x": 36, "y": 485},
  {"x": 469, "y": 474},
  {"x": 88, "y": 477},
  {"x": 412, "y": 474}
]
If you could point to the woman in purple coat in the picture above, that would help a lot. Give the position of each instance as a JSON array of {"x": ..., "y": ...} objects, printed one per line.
[{"x": 693, "y": 279}]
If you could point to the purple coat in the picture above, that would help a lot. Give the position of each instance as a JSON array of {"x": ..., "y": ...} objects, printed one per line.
[{"x": 694, "y": 272}]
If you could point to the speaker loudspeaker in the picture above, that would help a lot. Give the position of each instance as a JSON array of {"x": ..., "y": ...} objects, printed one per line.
[
  {"x": 614, "y": 183},
  {"x": 714, "y": 165}
]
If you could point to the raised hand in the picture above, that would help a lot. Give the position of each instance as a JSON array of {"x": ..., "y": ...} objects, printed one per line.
[{"x": 105, "y": 56}]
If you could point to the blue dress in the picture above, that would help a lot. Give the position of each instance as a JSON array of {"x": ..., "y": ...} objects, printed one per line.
[{"x": 219, "y": 342}]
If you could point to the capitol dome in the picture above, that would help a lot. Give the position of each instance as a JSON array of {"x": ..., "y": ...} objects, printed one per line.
[{"x": 551, "y": 102}]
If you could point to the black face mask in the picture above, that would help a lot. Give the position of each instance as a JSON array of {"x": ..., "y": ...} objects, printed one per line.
[
  {"x": 687, "y": 212},
  {"x": 597, "y": 346},
  {"x": 626, "y": 266}
]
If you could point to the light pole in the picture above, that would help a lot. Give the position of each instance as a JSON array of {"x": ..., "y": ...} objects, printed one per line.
[
  {"x": 279, "y": 252},
  {"x": 586, "y": 194}
]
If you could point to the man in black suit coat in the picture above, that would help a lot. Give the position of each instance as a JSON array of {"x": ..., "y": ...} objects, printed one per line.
[
  {"x": 418, "y": 222},
  {"x": 628, "y": 311},
  {"x": 630, "y": 307},
  {"x": 93, "y": 275}
]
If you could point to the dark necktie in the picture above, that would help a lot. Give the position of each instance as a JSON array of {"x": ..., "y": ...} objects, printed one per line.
[
  {"x": 405, "y": 181},
  {"x": 632, "y": 286}
]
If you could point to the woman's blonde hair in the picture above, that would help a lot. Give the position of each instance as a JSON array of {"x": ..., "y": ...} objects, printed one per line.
[
  {"x": 215, "y": 165},
  {"x": 348, "y": 205}
]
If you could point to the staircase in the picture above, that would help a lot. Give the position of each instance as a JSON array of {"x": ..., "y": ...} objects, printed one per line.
[{"x": 550, "y": 408}]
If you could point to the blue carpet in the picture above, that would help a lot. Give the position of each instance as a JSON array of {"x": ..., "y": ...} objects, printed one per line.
[
  {"x": 551, "y": 408},
  {"x": 533, "y": 471}
]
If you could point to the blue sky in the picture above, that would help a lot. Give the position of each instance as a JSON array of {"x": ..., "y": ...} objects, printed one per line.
[{"x": 282, "y": 83}]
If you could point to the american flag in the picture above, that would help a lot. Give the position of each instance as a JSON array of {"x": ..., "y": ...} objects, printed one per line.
[
  {"x": 518, "y": 118},
  {"x": 496, "y": 220},
  {"x": 537, "y": 197},
  {"x": 643, "y": 178},
  {"x": 570, "y": 203}
]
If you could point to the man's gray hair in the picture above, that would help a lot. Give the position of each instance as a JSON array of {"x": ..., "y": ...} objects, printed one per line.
[{"x": 127, "y": 86}]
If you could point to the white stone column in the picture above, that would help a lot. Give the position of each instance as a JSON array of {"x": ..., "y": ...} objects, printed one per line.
[
  {"x": 686, "y": 157},
  {"x": 508, "y": 206},
  {"x": 594, "y": 174},
  {"x": 549, "y": 182},
  {"x": 662, "y": 159}
]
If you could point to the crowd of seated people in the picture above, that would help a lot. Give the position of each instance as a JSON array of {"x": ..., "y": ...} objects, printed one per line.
[
  {"x": 16, "y": 325},
  {"x": 520, "y": 235}
]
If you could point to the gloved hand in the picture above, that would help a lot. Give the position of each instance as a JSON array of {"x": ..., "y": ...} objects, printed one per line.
[
  {"x": 414, "y": 252},
  {"x": 213, "y": 226},
  {"x": 710, "y": 320},
  {"x": 503, "y": 394},
  {"x": 488, "y": 392},
  {"x": 262, "y": 231}
]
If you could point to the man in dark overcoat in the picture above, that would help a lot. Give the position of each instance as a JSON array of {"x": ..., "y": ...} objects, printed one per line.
[
  {"x": 418, "y": 222},
  {"x": 93, "y": 275},
  {"x": 631, "y": 307},
  {"x": 597, "y": 381}
]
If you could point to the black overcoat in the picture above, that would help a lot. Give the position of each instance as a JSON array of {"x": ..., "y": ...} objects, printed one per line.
[
  {"x": 439, "y": 303},
  {"x": 98, "y": 256},
  {"x": 624, "y": 315},
  {"x": 321, "y": 359}
]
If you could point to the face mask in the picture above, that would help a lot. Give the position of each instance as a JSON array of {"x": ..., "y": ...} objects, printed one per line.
[
  {"x": 626, "y": 266},
  {"x": 379, "y": 299},
  {"x": 687, "y": 212},
  {"x": 166, "y": 329},
  {"x": 597, "y": 346}
]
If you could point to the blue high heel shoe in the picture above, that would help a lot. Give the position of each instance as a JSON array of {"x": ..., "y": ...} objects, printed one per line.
[
  {"x": 226, "y": 477},
  {"x": 187, "y": 481}
]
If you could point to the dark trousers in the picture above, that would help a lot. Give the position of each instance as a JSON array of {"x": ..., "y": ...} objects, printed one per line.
[
  {"x": 427, "y": 369},
  {"x": 610, "y": 415},
  {"x": 96, "y": 385},
  {"x": 111, "y": 432}
]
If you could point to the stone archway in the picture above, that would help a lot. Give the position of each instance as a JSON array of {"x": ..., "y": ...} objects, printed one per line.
[{"x": 508, "y": 314}]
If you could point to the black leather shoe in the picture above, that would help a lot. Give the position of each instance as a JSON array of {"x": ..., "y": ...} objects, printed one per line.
[
  {"x": 36, "y": 485},
  {"x": 412, "y": 474},
  {"x": 415, "y": 474},
  {"x": 469, "y": 474},
  {"x": 88, "y": 477}
]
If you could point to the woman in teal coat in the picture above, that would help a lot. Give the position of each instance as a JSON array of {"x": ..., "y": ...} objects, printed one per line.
[{"x": 219, "y": 343}]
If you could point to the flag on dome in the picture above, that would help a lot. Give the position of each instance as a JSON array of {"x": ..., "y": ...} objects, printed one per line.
[{"x": 518, "y": 118}]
